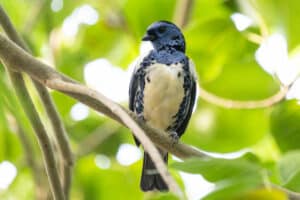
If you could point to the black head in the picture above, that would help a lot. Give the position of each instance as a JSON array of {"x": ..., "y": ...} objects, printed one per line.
[{"x": 164, "y": 34}]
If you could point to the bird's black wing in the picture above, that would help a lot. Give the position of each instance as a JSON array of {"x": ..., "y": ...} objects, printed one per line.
[
  {"x": 133, "y": 85},
  {"x": 136, "y": 87},
  {"x": 187, "y": 105}
]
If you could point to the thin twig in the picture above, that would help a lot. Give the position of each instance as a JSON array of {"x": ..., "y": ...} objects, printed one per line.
[
  {"x": 40, "y": 192},
  {"x": 61, "y": 136},
  {"x": 182, "y": 12},
  {"x": 58, "y": 127},
  {"x": 96, "y": 138},
  {"x": 34, "y": 16},
  {"x": 252, "y": 104},
  {"x": 291, "y": 195}
]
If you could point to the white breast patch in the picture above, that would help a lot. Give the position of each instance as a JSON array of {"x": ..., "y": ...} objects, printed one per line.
[{"x": 163, "y": 94}]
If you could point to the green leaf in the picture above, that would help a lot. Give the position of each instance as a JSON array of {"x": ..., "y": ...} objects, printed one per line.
[
  {"x": 232, "y": 177},
  {"x": 232, "y": 188},
  {"x": 278, "y": 16},
  {"x": 285, "y": 125},
  {"x": 225, "y": 130},
  {"x": 214, "y": 169},
  {"x": 117, "y": 182},
  {"x": 289, "y": 170},
  {"x": 264, "y": 194}
]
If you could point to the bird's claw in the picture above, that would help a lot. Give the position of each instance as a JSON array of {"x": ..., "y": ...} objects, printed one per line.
[
  {"x": 174, "y": 137},
  {"x": 141, "y": 118}
]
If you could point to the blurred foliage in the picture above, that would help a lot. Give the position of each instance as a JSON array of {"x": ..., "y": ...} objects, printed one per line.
[{"x": 226, "y": 66}]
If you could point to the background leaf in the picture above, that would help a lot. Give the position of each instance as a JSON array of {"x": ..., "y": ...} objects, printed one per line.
[{"x": 289, "y": 170}]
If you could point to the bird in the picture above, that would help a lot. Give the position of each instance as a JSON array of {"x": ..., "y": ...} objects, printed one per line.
[{"x": 162, "y": 92}]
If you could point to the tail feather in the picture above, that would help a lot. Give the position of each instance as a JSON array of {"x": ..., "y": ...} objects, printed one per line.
[{"x": 151, "y": 179}]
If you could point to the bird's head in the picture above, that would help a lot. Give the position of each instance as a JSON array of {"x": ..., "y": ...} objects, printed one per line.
[{"x": 164, "y": 34}]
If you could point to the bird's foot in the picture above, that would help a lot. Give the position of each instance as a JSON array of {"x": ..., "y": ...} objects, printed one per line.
[
  {"x": 174, "y": 137},
  {"x": 141, "y": 118}
]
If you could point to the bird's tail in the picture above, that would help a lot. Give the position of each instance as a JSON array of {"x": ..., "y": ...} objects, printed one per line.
[{"x": 151, "y": 179}]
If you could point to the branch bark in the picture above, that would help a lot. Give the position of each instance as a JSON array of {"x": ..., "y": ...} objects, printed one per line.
[
  {"x": 57, "y": 125},
  {"x": 17, "y": 59}
]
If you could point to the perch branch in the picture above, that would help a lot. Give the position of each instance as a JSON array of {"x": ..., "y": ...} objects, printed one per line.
[
  {"x": 57, "y": 125},
  {"x": 16, "y": 57},
  {"x": 49, "y": 77}
]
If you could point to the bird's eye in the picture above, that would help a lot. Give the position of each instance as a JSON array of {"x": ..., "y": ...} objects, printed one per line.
[{"x": 161, "y": 29}]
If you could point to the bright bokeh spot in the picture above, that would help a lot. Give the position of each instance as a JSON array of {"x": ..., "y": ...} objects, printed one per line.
[
  {"x": 84, "y": 14},
  {"x": 79, "y": 112},
  {"x": 272, "y": 53},
  {"x": 204, "y": 120},
  {"x": 128, "y": 154},
  {"x": 8, "y": 173},
  {"x": 102, "y": 161},
  {"x": 241, "y": 22},
  {"x": 195, "y": 185},
  {"x": 112, "y": 81},
  {"x": 57, "y": 5}
]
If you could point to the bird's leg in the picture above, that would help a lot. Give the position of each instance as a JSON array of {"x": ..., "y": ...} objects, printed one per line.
[{"x": 174, "y": 137}]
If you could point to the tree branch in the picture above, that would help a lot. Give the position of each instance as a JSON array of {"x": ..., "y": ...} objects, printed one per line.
[
  {"x": 57, "y": 125},
  {"x": 16, "y": 57}
]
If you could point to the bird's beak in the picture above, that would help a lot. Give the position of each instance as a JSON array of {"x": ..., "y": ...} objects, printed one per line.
[{"x": 148, "y": 37}]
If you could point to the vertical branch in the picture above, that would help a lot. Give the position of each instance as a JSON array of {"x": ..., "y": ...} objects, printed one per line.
[
  {"x": 26, "y": 102},
  {"x": 43, "y": 140},
  {"x": 61, "y": 136},
  {"x": 58, "y": 127}
]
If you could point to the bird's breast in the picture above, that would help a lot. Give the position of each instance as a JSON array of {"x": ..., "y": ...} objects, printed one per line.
[{"x": 163, "y": 94}]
